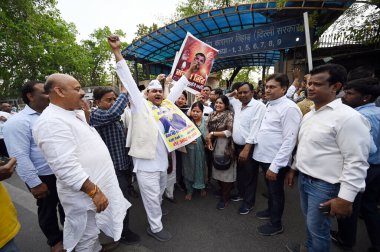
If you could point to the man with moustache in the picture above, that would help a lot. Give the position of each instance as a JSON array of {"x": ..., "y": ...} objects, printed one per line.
[
  {"x": 333, "y": 147},
  {"x": 86, "y": 180},
  {"x": 247, "y": 120},
  {"x": 32, "y": 167},
  {"x": 275, "y": 142},
  {"x": 147, "y": 148}
]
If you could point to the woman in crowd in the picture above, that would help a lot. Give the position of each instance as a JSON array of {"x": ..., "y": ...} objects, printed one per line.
[
  {"x": 219, "y": 141},
  {"x": 194, "y": 160},
  {"x": 181, "y": 102}
]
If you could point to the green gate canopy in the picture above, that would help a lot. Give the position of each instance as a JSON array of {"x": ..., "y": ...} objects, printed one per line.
[{"x": 157, "y": 49}]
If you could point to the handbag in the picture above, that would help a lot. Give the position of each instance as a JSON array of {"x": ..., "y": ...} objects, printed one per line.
[
  {"x": 221, "y": 158},
  {"x": 221, "y": 155}
]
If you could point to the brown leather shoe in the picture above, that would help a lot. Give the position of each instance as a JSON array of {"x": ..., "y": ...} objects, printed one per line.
[{"x": 109, "y": 246}]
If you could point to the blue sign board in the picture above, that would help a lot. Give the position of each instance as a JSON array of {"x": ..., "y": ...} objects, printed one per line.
[{"x": 275, "y": 36}]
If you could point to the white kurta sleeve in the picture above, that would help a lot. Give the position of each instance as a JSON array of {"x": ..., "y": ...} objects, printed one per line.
[
  {"x": 177, "y": 89},
  {"x": 57, "y": 143},
  {"x": 125, "y": 76}
]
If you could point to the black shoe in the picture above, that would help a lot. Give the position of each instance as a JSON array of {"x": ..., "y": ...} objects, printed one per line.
[
  {"x": 334, "y": 235},
  {"x": 221, "y": 205},
  {"x": 245, "y": 209},
  {"x": 108, "y": 247},
  {"x": 171, "y": 200},
  {"x": 128, "y": 237},
  {"x": 162, "y": 236},
  {"x": 268, "y": 229},
  {"x": 236, "y": 198},
  {"x": 263, "y": 215}
]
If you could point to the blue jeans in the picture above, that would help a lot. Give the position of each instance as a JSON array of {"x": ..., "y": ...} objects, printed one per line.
[
  {"x": 312, "y": 193},
  {"x": 10, "y": 247}
]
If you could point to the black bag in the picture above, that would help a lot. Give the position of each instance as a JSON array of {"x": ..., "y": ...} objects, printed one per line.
[{"x": 221, "y": 158}]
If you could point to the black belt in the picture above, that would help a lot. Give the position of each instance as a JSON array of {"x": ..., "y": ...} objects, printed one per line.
[
  {"x": 310, "y": 177},
  {"x": 316, "y": 179}
]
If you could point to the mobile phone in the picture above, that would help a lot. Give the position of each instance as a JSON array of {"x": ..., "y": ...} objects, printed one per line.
[
  {"x": 325, "y": 209},
  {"x": 4, "y": 160}
]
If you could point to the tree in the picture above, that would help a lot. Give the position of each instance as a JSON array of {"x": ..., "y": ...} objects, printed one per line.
[
  {"x": 143, "y": 30},
  {"x": 98, "y": 57},
  {"x": 35, "y": 42}
]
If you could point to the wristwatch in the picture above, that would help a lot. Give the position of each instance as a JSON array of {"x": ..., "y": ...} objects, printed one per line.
[{"x": 212, "y": 133}]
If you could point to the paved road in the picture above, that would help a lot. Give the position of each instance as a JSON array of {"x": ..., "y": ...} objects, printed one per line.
[{"x": 195, "y": 225}]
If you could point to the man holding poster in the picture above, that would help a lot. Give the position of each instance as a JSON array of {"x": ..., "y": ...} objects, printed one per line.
[
  {"x": 155, "y": 129},
  {"x": 204, "y": 54}
]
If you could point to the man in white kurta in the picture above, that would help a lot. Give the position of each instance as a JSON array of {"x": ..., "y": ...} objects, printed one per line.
[
  {"x": 148, "y": 150},
  {"x": 86, "y": 182}
]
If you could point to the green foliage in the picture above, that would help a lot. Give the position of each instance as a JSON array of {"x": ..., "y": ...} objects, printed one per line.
[
  {"x": 143, "y": 30},
  {"x": 192, "y": 7},
  {"x": 98, "y": 57},
  {"x": 245, "y": 74},
  {"x": 36, "y": 42}
]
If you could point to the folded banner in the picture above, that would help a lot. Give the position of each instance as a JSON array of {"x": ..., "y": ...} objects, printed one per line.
[
  {"x": 193, "y": 48},
  {"x": 178, "y": 130}
]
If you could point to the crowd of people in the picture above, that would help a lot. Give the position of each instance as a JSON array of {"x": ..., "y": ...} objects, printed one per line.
[{"x": 79, "y": 162}]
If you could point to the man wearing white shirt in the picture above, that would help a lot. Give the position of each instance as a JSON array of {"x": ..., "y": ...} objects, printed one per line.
[
  {"x": 247, "y": 120},
  {"x": 86, "y": 181},
  {"x": 333, "y": 147},
  {"x": 147, "y": 147},
  {"x": 4, "y": 116},
  {"x": 274, "y": 146}
]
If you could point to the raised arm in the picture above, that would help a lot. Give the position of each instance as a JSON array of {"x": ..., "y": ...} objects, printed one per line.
[{"x": 125, "y": 76}]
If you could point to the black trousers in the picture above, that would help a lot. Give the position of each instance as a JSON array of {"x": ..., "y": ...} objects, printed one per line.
[
  {"x": 124, "y": 178},
  {"x": 47, "y": 212},
  {"x": 276, "y": 194},
  {"x": 347, "y": 227},
  {"x": 178, "y": 158},
  {"x": 247, "y": 174},
  {"x": 366, "y": 203},
  {"x": 208, "y": 157},
  {"x": 369, "y": 209},
  {"x": 3, "y": 148}
]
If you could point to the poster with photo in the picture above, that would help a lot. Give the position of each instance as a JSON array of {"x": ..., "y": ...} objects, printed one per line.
[
  {"x": 194, "y": 49},
  {"x": 175, "y": 128}
]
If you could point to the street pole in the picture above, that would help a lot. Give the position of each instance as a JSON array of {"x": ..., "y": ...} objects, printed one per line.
[{"x": 308, "y": 43}]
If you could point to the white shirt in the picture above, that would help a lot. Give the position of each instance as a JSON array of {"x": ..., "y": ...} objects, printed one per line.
[
  {"x": 247, "y": 121},
  {"x": 207, "y": 110},
  {"x": 6, "y": 115},
  {"x": 291, "y": 91},
  {"x": 75, "y": 152},
  {"x": 278, "y": 133},
  {"x": 333, "y": 145}
]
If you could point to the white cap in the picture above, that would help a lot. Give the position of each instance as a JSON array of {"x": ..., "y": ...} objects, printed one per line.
[{"x": 154, "y": 84}]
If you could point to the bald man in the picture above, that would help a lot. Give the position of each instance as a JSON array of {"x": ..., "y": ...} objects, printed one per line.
[
  {"x": 6, "y": 107},
  {"x": 86, "y": 180}
]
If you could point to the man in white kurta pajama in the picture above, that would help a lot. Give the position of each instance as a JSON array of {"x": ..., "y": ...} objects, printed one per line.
[
  {"x": 147, "y": 148},
  {"x": 86, "y": 181}
]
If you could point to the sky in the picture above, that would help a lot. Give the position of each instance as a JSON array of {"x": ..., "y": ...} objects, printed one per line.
[{"x": 88, "y": 15}]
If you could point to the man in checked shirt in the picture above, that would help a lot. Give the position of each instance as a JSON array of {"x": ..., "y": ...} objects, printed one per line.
[{"x": 107, "y": 121}]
